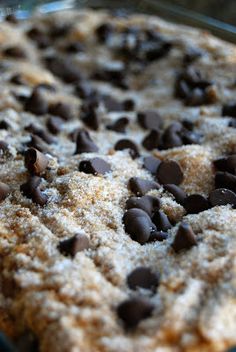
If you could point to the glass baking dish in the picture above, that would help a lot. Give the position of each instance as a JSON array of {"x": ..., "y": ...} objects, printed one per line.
[{"x": 216, "y": 16}]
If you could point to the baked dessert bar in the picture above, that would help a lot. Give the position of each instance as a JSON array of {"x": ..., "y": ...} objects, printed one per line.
[{"x": 118, "y": 184}]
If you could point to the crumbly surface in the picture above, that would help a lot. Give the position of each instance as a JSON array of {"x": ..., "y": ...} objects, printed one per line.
[{"x": 69, "y": 304}]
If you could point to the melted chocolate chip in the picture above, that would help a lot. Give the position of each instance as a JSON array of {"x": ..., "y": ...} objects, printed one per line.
[
  {"x": 74, "y": 244},
  {"x": 84, "y": 143},
  {"x": 151, "y": 163},
  {"x": 35, "y": 161},
  {"x": 62, "y": 110},
  {"x": 119, "y": 125},
  {"x": 94, "y": 166},
  {"x": 143, "y": 277},
  {"x": 150, "y": 120},
  {"x": 222, "y": 196},
  {"x": 196, "y": 203},
  {"x": 147, "y": 203},
  {"x": 177, "y": 192},
  {"x": 140, "y": 186},
  {"x": 36, "y": 103},
  {"x": 184, "y": 238},
  {"x": 31, "y": 189},
  {"x": 153, "y": 140},
  {"x": 161, "y": 221},
  {"x": 4, "y": 191},
  {"x": 169, "y": 172},
  {"x": 123, "y": 144},
  {"x": 138, "y": 225},
  {"x": 133, "y": 310}
]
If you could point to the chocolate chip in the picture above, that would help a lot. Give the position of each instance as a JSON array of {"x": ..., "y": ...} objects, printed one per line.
[
  {"x": 128, "y": 104},
  {"x": 158, "y": 236},
  {"x": 35, "y": 161},
  {"x": 62, "y": 110},
  {"x": 36, "y": 103},
  {"x": 150, "y": 120},
  {"x": 64, "y": 69},
  {"x": 222, "y": 196},
  {"x": 74, "y": 47},
  {"x": 4, "y": 125},
  {"x": 119, "y": 125},
  {"x": 60, "y": 30},
  {"x": 189, "y": 137},
  {"x": 170, "y": 172},
  {"x": 229, "y": 110},
  {"x": 94, "y": 166},
  {"x": 184, "y": 238},
  {"x": 133, "y": 310},
  {"x": 54, "y": 124},
  {"x": 31, "y": 189},
  {"x": 177, "y": 192},
  {"x": 15, "y": 52},
  {"x": 225, "y": 180},
  {"x": 84, "y": 90},
  {"x": 196, "y": 203},
  {"x": 172, "y": 136},
  {"x": 143, "y": 277},
  {"x": 151, "y": 163},
  {"x": 112, "y": 73},
  {"x": 161, "y": 221},
  {"x": 40, "y": 133},
  {"x": 84, "y": 143},
  {"x": 147, "y": 203},
  {"x": 226, "y": 164},
  {"x": 37, "y": 143},
  {"x": 4, "y": 191},
  {"x": 153, "y": 140},
  {"x": 140, "y": 186},
  {"x": 123, "y": 144},
  {"x": 74, "y": 244},
  {"x": 138, "y": 225},
  {"x": 111, "y": 104},
  {"x": 90, "y": 118},
  {"x": 104, "y": 31},
  {"x": 39, "y": 37},
  {"x": 17, "y": 79}
]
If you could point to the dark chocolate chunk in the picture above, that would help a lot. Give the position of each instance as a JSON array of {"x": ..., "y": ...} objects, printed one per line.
[
  {"x": 123, "y": 144},
  {"x": 161, "y": 221},
  {"x": 151, "y": 163},
  {"x": 119, "y": 125},
  {"x": 74, "y": 244},
  {"x": 143, "y": 277},
  {"x": 31, "y": 189},
  {"x": 184, "y": 238},
  {"x": 196, "y": 203},
  {"x": 4, "y": 191},
  {"x": 177, "y": 192},
  {"x": 36, "y": 103},
  {"x": 153, "y": 140},
  {"x": 225, "y": 180},
  {"x": 54, "y": 124},
  {"x": 150, "y": 120},
  {"x": 62, "y": 110},
  {"x": 35, "y": 161},
  {"x": 158, "y": 236},
  {"x": 138, "y": 225},
  {"x": 133, "y": 310},
  {"x": 170, "y": 172},
  {"x": 147, "y": 203},
  {"x": 15, "y": 52},
  {"x": 94, "y": 166},
  {"x": 222, "y": 196},
  {"x": 229, "y": 109},
  {"x": 84, "y": 143},
  {"x": 140, "y": 186}
]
